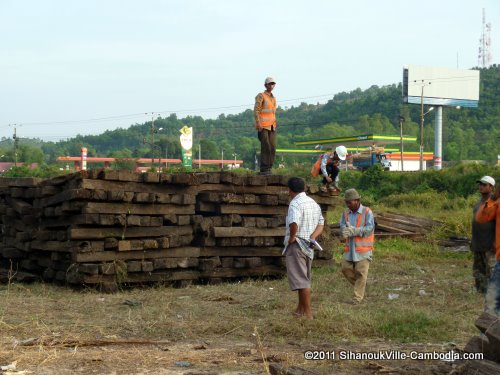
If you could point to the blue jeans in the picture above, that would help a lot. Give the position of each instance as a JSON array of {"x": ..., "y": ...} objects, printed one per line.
[{"x": 492, "y": 301}]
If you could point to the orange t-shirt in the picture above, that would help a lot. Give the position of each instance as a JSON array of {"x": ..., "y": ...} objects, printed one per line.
[{"x": 489, "y": 211}]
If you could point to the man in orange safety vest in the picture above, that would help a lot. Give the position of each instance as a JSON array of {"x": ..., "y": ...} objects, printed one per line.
[
  {"x": 265, "y": 123},
  {"x": 357, "y": 227}
]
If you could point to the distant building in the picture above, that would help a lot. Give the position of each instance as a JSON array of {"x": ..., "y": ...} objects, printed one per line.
[{"x": 5, "y": 166}]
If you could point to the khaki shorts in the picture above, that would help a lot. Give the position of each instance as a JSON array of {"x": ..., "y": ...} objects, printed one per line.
[{"x": 298, "y": 267}]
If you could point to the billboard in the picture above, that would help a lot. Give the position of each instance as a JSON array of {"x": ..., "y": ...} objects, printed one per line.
[
  {"x": 440, "y": 86},
  {"x": 187, "y": 146}
]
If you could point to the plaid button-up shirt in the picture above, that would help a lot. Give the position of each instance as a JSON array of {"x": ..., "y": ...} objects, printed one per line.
[{"x": 306, "y": 213}]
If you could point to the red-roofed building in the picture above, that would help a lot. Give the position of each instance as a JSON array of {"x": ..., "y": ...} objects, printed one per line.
[{"x": 5, "y": 166}]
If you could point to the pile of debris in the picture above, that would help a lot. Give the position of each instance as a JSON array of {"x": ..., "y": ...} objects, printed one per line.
[
  {"x": 108, "y": 227},
  {"x": 389, "y": 224},
  {"x": 488, "y": 343}
]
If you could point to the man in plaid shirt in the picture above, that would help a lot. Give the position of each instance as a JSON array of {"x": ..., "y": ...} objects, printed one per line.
[{"x": 304, "y": 222}]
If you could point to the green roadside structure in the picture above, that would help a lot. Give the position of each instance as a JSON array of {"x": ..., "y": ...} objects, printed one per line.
[
  {"x": 367, "y": 150},
  {"x": 358, "y": 141}
]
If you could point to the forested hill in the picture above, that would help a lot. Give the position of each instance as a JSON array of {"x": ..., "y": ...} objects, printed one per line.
[{"x": 467, "y": 133}]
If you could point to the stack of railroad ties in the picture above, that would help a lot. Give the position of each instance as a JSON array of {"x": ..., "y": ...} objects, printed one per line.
[{"x": 109, "y": 227}]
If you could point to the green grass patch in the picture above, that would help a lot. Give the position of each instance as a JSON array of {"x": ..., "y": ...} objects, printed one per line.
[{"x": 408, "y": 325}]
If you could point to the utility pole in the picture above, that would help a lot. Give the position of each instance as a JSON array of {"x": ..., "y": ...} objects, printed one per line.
[
  {"x": 15, "y": 146},
  {"x": 153, "y": 136},
  {"x": 401, "y": 120},
  {"x": 199, "y": 155},
  {"x": 14, "y": 137},
  {"x": 152, "y": 143}
]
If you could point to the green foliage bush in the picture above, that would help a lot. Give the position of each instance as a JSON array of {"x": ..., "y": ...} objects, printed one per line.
[
  {"x": 43, "y": 171},
  {"x": 426, "y": 199},
  {"x": 457, "y": 181}
]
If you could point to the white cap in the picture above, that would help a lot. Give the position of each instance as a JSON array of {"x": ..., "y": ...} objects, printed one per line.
[
  {"x": 487, "y": 180},
  {"x": 269, "y": 80},
  {"x": 341, "y": 152}
]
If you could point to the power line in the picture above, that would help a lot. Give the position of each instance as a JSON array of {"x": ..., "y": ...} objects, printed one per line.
[{"x": 141, "y": 115}]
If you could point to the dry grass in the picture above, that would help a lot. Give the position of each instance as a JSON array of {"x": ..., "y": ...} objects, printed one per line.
[{"x": 222, "y": 320}]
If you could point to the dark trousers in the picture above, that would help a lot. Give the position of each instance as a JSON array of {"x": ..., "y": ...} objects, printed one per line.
[
  {"x": 492, "y": 300},
  {"x": 333, "y": 172},
  {"x": 267, "y": 140},
  {"x": 482, "y": 266}
]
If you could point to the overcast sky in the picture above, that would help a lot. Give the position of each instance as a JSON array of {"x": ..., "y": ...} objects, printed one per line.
[{"x": 85, "y": 66}]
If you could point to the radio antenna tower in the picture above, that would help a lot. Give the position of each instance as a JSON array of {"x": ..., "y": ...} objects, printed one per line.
[{"x": 484, "y": 57}]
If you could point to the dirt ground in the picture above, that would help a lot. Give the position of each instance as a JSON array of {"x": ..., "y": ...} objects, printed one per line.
[
  {"x": 56, "y": 356},
  {"x": 202, "y": 358}
]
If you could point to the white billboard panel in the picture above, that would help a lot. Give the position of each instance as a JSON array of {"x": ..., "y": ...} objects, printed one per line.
[{"x": 441, "y": 86}]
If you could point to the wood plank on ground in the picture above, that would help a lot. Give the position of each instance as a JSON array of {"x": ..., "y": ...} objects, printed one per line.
[
  {"x": 390, "y": 228},
  {"x": 403, "y": 223},
  {"x": 382, "y": 235},
  {"x": 413, "y": 219}
]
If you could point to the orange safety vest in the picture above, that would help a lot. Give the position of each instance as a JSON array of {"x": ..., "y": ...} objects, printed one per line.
[
  {"x": 362, "y": 244},
  {"x": 267, "y": 115}
]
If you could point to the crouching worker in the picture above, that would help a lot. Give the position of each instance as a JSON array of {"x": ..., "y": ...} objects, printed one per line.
[
  {"x": 357, "y": 228},
  {"x": 328, "y": 165}
]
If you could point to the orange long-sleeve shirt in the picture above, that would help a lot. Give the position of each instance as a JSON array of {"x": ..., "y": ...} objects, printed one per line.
[{"x": 489, "y": 211}]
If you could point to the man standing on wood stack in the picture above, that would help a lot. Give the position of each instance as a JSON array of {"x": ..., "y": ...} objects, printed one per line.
[
  {"x": 357, "y": 228},
  {"x": 265, "y": 123},
  {"x": 490, "y": 211},
  {"x": 483, "y": 238},
  {"x": 304, "y": 223}
]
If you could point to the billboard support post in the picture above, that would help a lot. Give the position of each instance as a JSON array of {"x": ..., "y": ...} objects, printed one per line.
[
  {"x": 422, "y": 115},
  {"x": 401, "y": 120},
  {"x": 422, "y": 130},
  {"x": 438, "y": 136}
]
